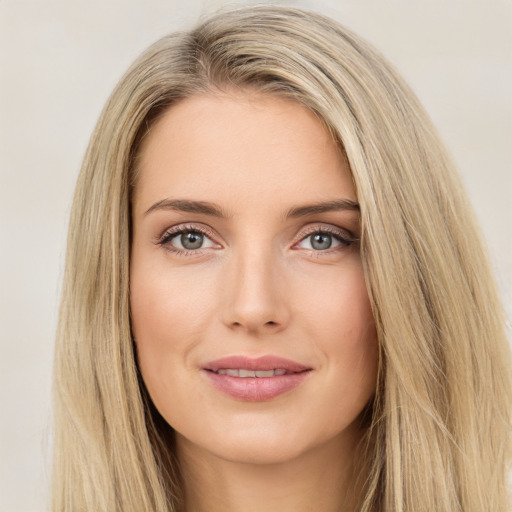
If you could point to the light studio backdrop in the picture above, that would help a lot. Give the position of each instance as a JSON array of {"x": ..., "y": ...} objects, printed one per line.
[{"x": 59, "y": 60}]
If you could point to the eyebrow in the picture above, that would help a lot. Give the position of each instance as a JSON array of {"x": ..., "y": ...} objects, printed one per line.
[
  {"x": 186, "y": 205},
  {"x": 207, "y": 208},
  {"x": 328, "y": 206}
]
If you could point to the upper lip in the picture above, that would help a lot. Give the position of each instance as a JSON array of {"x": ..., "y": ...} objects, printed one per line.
[{"x": 268, "y": 362}]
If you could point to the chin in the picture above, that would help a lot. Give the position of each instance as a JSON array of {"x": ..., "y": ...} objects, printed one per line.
[
  {"x": 261, "y": 452},
  {"x": 262, "y": 443}
]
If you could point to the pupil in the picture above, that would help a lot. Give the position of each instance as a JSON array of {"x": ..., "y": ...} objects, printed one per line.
[
  {"x": 321, "y": 241},
  {"x": 192, "y": 240}
]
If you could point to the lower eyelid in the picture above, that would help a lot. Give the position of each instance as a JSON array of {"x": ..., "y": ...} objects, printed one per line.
[{"x": 344, "y": 239}]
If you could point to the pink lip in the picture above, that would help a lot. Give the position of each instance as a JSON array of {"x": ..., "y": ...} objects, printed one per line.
[{"x": 256, "y": 389}]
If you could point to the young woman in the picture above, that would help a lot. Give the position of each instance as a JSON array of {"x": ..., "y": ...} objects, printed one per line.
[{"x": 275, "y": 294}]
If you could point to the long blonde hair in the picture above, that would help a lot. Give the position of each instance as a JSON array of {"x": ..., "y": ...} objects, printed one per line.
[{"x": 439, "y": 429}]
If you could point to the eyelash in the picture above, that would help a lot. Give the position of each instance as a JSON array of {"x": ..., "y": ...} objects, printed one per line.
[
  {"x": 180, "y": 230},
  {"x": 345, "y": 240},
  {"x": 164, "y": 240}
]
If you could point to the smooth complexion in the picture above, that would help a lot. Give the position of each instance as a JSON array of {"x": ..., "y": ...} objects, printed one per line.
[{"x": 245, "y": 244}]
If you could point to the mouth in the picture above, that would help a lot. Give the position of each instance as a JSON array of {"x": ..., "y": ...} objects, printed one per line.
[
  {"x": 256, "y": 380},
  {"x": 244, "y": 373},
  {"x": 244, "y": 364}
]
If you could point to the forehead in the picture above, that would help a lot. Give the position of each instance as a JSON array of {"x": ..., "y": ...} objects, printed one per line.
[{"x": 244, "y": 146}]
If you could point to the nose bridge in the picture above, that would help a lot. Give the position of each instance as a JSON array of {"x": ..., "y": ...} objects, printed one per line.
[{"x": 254, "y": 289}]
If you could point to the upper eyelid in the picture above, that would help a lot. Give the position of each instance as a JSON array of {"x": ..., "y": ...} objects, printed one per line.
[
  {"x": 330, "y": 229},
  {"x": 301, "y": 235},
  {"x": 184, "y": 228}
]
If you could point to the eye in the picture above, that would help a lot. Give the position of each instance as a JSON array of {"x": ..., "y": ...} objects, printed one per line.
[
  {"x": 323, "y": 239},
  {"x": 190, "y": 240},
  {"x": 184, "y": 239}
]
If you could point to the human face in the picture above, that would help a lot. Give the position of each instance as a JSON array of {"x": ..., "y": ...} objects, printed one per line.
[{"x": 229, "y": 260}]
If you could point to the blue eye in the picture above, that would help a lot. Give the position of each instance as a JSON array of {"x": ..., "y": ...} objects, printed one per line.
[
  {"x": 186, "y": 239},
  {"x": 190, "y": 240},
  {"x": 322, "y": 241}
]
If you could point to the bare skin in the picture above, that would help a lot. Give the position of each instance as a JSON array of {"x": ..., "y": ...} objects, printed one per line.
[
  {"x": 254, "y": 274},
  {"x": 304, "y": 484}
]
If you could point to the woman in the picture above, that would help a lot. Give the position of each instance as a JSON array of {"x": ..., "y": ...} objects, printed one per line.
[{"x": 275, "y": 295}]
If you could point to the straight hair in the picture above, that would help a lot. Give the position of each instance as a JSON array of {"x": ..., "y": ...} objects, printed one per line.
[{"x": 437, "y": 436}]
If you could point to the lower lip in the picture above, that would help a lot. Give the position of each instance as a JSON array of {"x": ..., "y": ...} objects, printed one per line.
[{"x": 256, "y": 389}]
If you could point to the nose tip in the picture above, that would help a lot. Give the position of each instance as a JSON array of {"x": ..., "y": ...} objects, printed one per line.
[
  {"x": 259, "y": 314},
  {"x": 252, "y": 325},
  {"x": 256, "y": 299}
]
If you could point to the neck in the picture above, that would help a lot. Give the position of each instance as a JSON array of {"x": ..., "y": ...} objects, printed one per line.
[{"x": 322, "y": 479}]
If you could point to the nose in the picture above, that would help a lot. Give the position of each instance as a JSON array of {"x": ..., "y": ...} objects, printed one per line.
[{"x": 255, "y": 296}]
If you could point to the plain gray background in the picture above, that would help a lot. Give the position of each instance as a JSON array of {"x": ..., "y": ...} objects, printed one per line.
[{"x": 58, "y": 63}]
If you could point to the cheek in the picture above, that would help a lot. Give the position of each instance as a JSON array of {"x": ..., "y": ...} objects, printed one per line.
[
  {"x": 168, "y": 304},
  {"x": 340, "y": 319},
  {"x": 167, "y": 323},
  {"x": 338, "y": 304}
]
